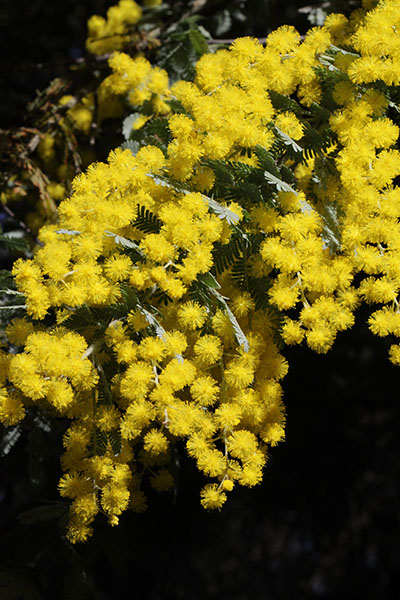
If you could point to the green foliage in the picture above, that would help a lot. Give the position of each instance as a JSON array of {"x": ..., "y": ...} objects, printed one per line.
[{"x": 146, "y": 221}]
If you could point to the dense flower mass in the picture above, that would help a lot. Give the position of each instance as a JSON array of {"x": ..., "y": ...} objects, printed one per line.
[
  {"x": 113, "y": 32},
  {"x": 159, "y": 305}
]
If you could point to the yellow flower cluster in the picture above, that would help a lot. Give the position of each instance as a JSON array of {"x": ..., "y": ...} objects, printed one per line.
[
  {"x": 376, "y": 40},
  {"x": 228, "y": 107},
  {"x": 113, "y": 33},
  {"x": 173, "y": 371},
  {"x": 143, "y": 339},
  {"x": 139, "y": 81}
]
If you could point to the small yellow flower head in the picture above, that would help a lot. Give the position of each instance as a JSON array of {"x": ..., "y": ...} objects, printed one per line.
[
  {"x": 177, "y": 374},
  {"x": 78, "y": 532},
  {"x": 192, "y": 315},
  {"x": 320, "y": 338},
  {"x": 155, "y": 442},
  {"x": 242, "y": 444},
  {"x": 162, "y": 481},
  {"x": 242, "y": 304},
  {"x": 46, "y": 148},
  {"x": 227, "y": 485},
  {"x": 204, "y": 390},
  {"x": 12, "y": 410},
  {"x": 289, "y": 124},
  {"x": 208, "y": 350},
  {"x": 228, "y": 415},
  {"x": 137, "y": 321},
  {"x": 85, "y": 507},
  {"x": 18, "y": 331},
  {"x": 138, "y": 501},
  {"x": 211, "y": 462},
  {"x": 250, "y": 476},
  {"x": 136, "y": 380},
  {"x": 114, "y": 499},
  {"x": 117, "y": 267},
  {"x": 152, "y": 349},
  {"x": 292, "y": 332},
  {"x": 107, "y": 418},
  {"x": 394, "y": 354},
  {"x": 105, "y": 35},
  {"x": 74, "y": 485},
  {"x": 237, "y": 374},
  {"x": 157, "y": 248},
  {"x": 59, "y": 394},
  {"x": 176, "y": 342},
  {"x": 272, "y": 433},
  {"x": 283, "y": 40},
  {"x": 212, "y": 496}
]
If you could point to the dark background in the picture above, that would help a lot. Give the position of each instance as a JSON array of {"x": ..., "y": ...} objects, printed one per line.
[
  {"x": 325, "y": 521},
  {"x": 323, "y": 524},
  {"x": 39, "y": 37}
]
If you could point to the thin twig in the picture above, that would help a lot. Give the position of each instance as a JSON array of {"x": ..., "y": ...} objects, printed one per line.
[{"x": 230, "y": 41}]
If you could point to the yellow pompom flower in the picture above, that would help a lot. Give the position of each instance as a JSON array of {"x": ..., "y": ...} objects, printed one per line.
[
  {"x": 228, "y": 415},
  {"x": 155, "y": 442},
  {"x": 12, "y": 410},
  {"x": 114, "y": 499},
  {"x": 192, "y": 315},
  {"x": 152, "y": 349},
  {"x": 204, "y": 390},
  {"x": 292, "y": 332},
  {"x": 136, "y": 380},
  {"x": 208, "y": 350},
  {"x": 18, "y": 331},
  {"x": 212, "y": 497}
]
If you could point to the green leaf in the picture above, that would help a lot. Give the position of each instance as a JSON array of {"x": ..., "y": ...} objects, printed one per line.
[
  {"x": 288, "y": 141},
  {"x": 331, "y": 230},
  {"x": 6, "y": 278},
  {"x": 100, "y": 442},
  {"x": 115, "y": 441},
  {"x": 285, "y": 103},
  {"x": 9, "y": 439},
  {"x": 131, "y": 145},
  {"x": 209, "y": 280},
  {"x": 266, "y": 161},
  {"x": 280, "y": 185},
  {"x": 129, "y": 296},
  {"x": 127, "y": 124},
  {"x": 223, "y": 212},
  {"x": 146, "y": 221},
  {"x": 225, "y": 254},
  {"x": 68, "y": 232},
  {"x": 239, "y": 335},
  {"x": 222, "y": 171},
  {"x": 198, "y": 42},
  {"x": 15, "y": 241},
  {"x": 124, "y": 242}
]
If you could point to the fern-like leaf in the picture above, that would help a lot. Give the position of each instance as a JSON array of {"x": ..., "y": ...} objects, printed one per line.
[
  {"x": 266, "y": 161},
  {"x": 226, "y": 254},
  {"x": 146, "y": 221}
]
